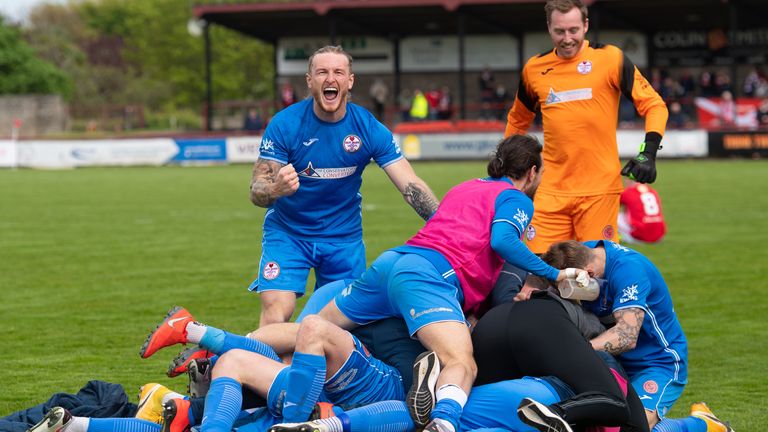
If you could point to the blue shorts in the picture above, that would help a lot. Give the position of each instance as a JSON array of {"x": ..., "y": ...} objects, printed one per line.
[
  {"x": 285, "y": 262},
  {"x": 404, "y": 285},
  {"x": 658, "y": 389},
  {"x": 363, "y": 380},
  {"x": 494, "y": 405}
]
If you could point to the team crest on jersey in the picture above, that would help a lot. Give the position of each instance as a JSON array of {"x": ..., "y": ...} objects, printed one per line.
[
  {"x": 650, "y": 386},
  {"x": 608, "y": 232},
  {"x": 271, "y": 271},
  {"x": 530, "y": 233},
  {"x": 352, "y": 143},
  {"x": 584, "y": 67}
]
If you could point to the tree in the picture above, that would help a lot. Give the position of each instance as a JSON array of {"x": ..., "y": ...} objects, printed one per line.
[{"x": 25, "y": 73}]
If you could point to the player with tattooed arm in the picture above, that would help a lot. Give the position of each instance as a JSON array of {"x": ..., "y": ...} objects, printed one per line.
[
  {"x": 308, "y": 176},
  {"x": 647, "y": 337}
]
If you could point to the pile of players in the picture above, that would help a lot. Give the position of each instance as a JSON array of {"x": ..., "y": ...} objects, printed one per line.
[{"x": 423, "y": 338}]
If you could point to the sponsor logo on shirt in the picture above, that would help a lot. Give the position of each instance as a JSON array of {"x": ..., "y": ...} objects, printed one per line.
[
  {"x": 584, "y": 67},
  {"x": 521, "y": 217},
  {"x": 568, "y": 96},
  {"x": 271, "y": 270},
  {"x": 629, "y": 294},
  {"x": 619, "y": 247},
  {"x": 415, "y": 314},
  {"x": 547, "y": 71},
  {"x": 267, "y": 145},
  {"x": 342, "y": 381},
  {"x": 327, "y": 173},
  {"x": 397, "y": 146},
  {"x": 352, "y": 143},
  {"x": 309, "y": 142}
]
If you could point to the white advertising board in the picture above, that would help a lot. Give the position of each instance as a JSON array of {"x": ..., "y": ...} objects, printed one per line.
[
  {"x": 243, "y": 149},
  {"x": 70, "y": 154}
]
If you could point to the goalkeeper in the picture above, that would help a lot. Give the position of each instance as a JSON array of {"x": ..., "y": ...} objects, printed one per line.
[{"x": 577, "y": 87}]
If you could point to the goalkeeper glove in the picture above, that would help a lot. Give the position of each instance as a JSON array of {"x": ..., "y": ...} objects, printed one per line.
[{"x": 642, "y": 168}]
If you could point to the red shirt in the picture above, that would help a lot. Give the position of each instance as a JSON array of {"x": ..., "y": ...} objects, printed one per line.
[{"x": 643, "y": 207}]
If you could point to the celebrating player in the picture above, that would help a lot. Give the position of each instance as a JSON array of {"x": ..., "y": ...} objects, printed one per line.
[{"x": 309, "y": 174}]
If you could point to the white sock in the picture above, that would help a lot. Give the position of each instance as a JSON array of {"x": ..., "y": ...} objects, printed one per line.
[
  {"x": 333, "y": 423},
  {"x": 171, "y": 395},
  {"x": 195, "y": 331},
  {"x": 444, "y": 425},
  {"x": 78, "y": 424},
  {"x": 452, "y": 391}
]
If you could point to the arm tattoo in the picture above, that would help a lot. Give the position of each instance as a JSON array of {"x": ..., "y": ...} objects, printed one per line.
[
  {"x": 626, "y": 331},
  {"x": 421, "y": 199},
  {"x": 262, "y": 179}
]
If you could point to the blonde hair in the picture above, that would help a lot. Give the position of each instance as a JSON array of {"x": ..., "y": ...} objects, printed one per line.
[{"x": 332, "y": 49}]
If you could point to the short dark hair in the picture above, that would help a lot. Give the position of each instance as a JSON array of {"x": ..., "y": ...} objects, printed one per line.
[
  {"x": 569, "y": 253},
  {"x": 515, "y": 156},
  {"x": 334, "y": 49},
  {"x": 564, "y": 6}
]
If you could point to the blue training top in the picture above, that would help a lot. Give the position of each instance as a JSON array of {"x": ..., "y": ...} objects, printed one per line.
[
  {"x": 330, "y": 159},
  {"x": 635, "y": 282}
]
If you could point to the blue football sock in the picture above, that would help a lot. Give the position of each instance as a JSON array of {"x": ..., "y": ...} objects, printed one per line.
[
  {"x": 306, "y": 377},
  {"x": 387, "y": 416},
  {"x": 449, "y": 410},
  {"x": 219, "y": 341},
  {"x": 122, "y": 425},
  {"x": 687, "y": 424},
  {"x": 276, "y": 393},
  {"x": 222, "y": 405}
]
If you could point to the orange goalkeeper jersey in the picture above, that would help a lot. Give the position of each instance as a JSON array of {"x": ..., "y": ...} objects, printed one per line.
[{"x": 579, "y": 103}]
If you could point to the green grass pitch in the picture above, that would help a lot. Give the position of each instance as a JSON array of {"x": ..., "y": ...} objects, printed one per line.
[{"x": 91, "y": 259}]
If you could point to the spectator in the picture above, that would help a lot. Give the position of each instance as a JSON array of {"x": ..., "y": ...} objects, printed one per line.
[
  {"x": 433, "y": 100},
  {"x": 404, "y": 104},
  {"x": 762, "y": 113},
  {"x": 707, "y": 85},
  {"x": 722, "y": 83},
  {"x": 419, "y": 106},
  {"x": 445, "y": 105},
  {"x": 501, "y": 97},
  {"x": 287, "y": 95},
  {"x": 253, "y": 121},
  {"x": 756, "y": 84},
  {"x": 671, "y": 89},
  {"x": 727, "y": 109},
  {"x": 378, "y": 93},
  {"x": 487, "y": 87},
  {"x": 687, "y": 83},
  {"x": 678, "y": 119}
]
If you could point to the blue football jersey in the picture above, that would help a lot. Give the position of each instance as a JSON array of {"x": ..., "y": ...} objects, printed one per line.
[
  {"x": 330, "y": 159},
  {"x": 633, "y": 281}
]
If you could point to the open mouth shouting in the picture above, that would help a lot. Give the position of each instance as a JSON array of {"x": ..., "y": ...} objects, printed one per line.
[{"x": 330, "y": 93}]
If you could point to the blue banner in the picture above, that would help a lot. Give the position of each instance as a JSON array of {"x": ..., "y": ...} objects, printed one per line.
[{"x": 201, "y": 150}]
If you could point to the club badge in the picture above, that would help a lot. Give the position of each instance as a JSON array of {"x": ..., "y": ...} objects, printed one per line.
[
  {"x": 352, "y": 143},
  {"x": 271, "y": 271},
  {"x": 584, "y": 67}
]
